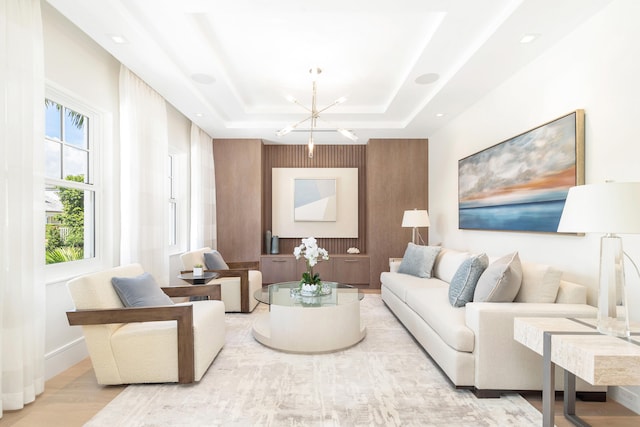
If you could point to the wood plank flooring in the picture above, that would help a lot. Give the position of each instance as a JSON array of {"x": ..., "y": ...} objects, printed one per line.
[{"x": 73, "y": 397}]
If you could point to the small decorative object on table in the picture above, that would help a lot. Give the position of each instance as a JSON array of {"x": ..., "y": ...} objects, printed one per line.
[
  {"x": 197, "y": 270},
  {"x": 311, "y": 284}
]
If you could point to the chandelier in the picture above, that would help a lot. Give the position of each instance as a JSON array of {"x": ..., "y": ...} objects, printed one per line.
[{"x": 315, "y": 114}]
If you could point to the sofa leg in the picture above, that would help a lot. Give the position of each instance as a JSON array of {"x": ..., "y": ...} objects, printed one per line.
[{"x": 486, "y": 394}]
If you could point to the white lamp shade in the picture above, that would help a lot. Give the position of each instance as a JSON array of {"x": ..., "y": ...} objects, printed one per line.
[
  {"x": 612, "y": 207},
  {"x": 415, "y": 218}
]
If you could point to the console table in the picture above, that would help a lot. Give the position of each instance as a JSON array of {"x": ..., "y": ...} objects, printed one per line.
[
  {"x": 576, "y": 346},
  {"x": 351, "y": 269}
]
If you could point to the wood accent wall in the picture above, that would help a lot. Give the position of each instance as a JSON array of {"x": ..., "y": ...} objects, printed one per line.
[
  {"x": 238, "y": 171},
  {"x": 325, "y": 156},
  {"x": 397, "y": 180}
]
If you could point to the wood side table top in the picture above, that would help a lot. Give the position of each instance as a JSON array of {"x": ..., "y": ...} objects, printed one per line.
[{"x": 578, "y": 347}]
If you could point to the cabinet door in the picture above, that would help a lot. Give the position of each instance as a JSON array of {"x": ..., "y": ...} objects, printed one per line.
[
  {"x": 278, "y": 269},
  {"x": 352, "y": 270}
]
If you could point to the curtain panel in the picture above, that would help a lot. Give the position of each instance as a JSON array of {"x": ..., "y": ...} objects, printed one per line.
[
  {"x": 144, "y": 177},
  {"x": 22, "y": 219},
  {"x": 203, "y": 191}
]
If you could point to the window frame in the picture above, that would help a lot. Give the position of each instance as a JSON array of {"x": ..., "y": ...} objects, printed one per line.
[
  {"x": 180, "y": 188},
  {"x": 96, "y": 136}
]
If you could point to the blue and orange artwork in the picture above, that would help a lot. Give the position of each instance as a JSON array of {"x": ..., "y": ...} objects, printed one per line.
[{"x": 520, "y": 184}]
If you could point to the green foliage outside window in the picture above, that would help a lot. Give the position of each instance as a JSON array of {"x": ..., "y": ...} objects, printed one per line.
[{"x": 65, "y": 236}]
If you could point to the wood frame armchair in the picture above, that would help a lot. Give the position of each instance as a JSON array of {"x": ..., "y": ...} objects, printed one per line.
[
  {"x": 183, "y": 314},
  {"x": 248, "y": 273}
]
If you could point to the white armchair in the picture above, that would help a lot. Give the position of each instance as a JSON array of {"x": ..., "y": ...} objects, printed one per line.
[
  {"x": 156, "y": 344},
  {"x": 238, "y": 284}
]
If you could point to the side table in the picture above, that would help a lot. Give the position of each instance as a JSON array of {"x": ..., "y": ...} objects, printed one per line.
[
  {"x": 202, "y": 279},
  {"x": 576, "y": 346}
]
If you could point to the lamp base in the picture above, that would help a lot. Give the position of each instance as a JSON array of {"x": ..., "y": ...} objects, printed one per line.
[{"x": 613, "y": 315}]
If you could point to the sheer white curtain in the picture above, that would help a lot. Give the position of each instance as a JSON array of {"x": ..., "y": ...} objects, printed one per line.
[
  {"x": 203, "y": 191},
  {"x": 22, "y": 289},
  {"x": 144, "y": 203}
]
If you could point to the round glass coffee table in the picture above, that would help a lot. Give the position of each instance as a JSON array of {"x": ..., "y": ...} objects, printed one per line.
[{"x": 301, "y": 324}]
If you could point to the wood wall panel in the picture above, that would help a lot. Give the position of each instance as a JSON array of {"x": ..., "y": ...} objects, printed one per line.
[
  {"x": 238, "y": 171},
  {"x": 397, "y": 180},
  {"x": 325, "y": 156}
]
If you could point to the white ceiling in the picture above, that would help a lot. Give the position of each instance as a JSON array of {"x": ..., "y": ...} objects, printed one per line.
[{"x": 252, "y": 54}]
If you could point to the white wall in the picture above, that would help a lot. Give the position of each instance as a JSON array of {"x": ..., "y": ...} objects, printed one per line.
[
  {"x": 79, "y": 67},
  {"x": 595, "y": 68}
]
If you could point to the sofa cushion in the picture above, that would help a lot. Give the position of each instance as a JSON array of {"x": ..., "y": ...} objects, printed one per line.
[
  {"x": 214, "y": 261},
  {"x": 448, "y": 262},
  {"x": 501, "y": 281},
  {"x": 463, "y": 284},
  {"x": 139, "y": 291},
  {"x": 418, "y": 260},
  {"x": 540, "y": 283},
  {"x": 431, "y": 304},
  {"x": 399, "y": 283}
]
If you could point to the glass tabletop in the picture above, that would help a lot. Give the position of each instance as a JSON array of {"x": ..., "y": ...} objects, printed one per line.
[{"x": 284, "y": 294}]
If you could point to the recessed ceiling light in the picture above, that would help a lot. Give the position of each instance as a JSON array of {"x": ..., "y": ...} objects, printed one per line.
[
  {"x": 439, "y": 114},
  {"x": 529, "y": 38},
  {"x": 116, "y": 38},
  {"x": 202, "y": 78},
  {"x": 426, "y": 79},
  {"x": 199, "y": 115}
]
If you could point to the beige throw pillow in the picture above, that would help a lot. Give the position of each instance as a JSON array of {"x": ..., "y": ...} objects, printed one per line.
[
  {"x": 540, "y": 283},
  {"x": 501, "y": 281}
]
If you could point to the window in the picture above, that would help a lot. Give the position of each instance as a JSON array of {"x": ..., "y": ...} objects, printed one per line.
[
  {"x": 173, "y": 205},
  {"x": 70, "y": 194}
]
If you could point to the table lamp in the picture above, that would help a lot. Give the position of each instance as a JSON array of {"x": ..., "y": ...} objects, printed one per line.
[
  {"x": 415, "y": 218},
  {"x": 609, "y": 208}
]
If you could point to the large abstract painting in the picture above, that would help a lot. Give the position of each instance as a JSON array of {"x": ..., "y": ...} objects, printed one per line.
[
  {"x": 521, "y": 184},
  {"x": 318, "y": 202},
  {"x": 314, "y": 199}
]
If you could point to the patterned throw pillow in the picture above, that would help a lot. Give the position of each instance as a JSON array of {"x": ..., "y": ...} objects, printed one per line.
[
  {"x": 418, "y": 260},
  {"x": 463, "y": 284},
  {"x": 501, "y": 281}
]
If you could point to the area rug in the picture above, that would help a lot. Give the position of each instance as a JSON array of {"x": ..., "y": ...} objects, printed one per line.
[{"x": 385, "y": 380}]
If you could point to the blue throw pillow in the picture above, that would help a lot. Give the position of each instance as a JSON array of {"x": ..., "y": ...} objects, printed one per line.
[
  {"x": 418, "y": 260},
  {"x": 140, "y": 291},
  {"x": 464, "y": 281},
  {"x": 214, "y": 261}
]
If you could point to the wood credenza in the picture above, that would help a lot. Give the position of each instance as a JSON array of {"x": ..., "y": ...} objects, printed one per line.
[{"x": 349, "y": 269}]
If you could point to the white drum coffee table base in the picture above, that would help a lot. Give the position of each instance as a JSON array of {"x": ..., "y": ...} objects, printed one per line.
[{"x": 310, "y": 329}]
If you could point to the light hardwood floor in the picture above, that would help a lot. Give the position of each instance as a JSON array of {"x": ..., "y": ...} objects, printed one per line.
[{"x": 73, "y": 397}]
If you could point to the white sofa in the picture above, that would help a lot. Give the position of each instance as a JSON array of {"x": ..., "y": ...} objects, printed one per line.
[{"x": 474, "y": 344}]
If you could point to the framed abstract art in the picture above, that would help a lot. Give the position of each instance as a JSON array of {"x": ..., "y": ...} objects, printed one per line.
[{"x": 521, "y": 184}]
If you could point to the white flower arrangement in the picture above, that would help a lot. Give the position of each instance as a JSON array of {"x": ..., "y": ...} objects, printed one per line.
[{"x": 309, "y": 250}]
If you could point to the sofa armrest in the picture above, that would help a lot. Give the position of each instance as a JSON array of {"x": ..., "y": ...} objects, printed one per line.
[
  {"x": 183, "y": 314},
  {"x": 500, "y": 360}
]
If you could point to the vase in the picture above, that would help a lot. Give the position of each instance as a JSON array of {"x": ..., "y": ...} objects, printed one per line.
[
  {"x": 267, "y": 242},
  {"x": 197, "y": 271}
]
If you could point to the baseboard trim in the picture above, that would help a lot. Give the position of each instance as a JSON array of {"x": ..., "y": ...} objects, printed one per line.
[
  {"x": 64, "y": 357},
  {"x": 626, "y": 397}
]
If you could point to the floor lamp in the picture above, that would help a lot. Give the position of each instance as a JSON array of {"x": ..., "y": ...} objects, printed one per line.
[
  {"x": 414, "y": 219},
  {"x": 609, "y": 208}
]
